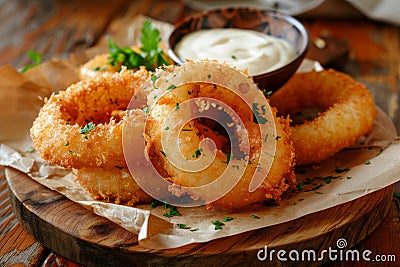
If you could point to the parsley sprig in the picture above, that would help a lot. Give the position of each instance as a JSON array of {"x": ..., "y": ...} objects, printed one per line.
[
  {"x": 35, "y": 57},
  {"x": 151, "y": 55}
]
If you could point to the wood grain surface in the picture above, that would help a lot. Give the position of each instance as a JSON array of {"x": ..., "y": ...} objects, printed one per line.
[{"x": 56, "y": 28}]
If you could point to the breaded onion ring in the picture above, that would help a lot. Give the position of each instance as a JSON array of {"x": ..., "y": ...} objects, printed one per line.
[
  {"x": 280, "y": 176},
  {"x": 115, "y": 185},
  {"x": 350, "y": 112},
  {"x": 75, "y": 129}
]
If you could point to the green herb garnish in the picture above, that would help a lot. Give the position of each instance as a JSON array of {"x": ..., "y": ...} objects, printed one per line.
[
  {"x": 172, "y": 86},
  {"x": 218, "y": 224},
  {"x": 267, "y": 93},
  {"x": 35, "y": 57},
  {"x": 182, "y": 226},
  {"x": 173, "y": 211},
  {"x": 87, "y": 128},
  {"x": 228, "y": 158},
  {"x": 340, "y": 170},
  {"x": 227, "y": 219},
  {"x": 197, "y": 153},
  {"x": 151, "y": 55}
]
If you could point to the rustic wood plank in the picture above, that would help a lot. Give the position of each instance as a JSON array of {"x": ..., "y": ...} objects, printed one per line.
[
  {"x": 52, "y": 28},
  {"x": 17, "y": 247}
]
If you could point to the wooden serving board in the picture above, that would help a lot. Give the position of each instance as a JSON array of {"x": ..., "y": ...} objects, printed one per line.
[{"x": 78, "y": 234}]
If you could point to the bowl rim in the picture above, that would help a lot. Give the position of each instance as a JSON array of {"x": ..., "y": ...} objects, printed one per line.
[{"x": 290, "y": 19}]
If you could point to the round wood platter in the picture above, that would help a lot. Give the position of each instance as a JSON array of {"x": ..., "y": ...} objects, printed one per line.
[{"x": 78, "y": 234}]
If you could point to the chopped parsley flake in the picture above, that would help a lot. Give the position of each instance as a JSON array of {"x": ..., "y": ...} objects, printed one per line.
[
  {"x": 163, "y": 153},
  {"x": 340, "y": 170},
  {"x": 267, "y": 93},
  {"x": 209, "y": 76},
  {"x": 173, "y": 211},
  {"x": 172, "y": 86},
  {"x": 218, "y": 224},
  {"x": 182, "y": 226},
  {"x": 87, "y": 128},
  {"x": 228, "y": 158},
  {"x": 155, "y": 204},
  {"x": 227, "y": 219},
  {"x": 96, "y": 68},
  {"x": 197, "y": 153},
  {"x": 300, "y": 186},
  {"x": 177, "y": 107},
  {"x": 154, "y": 78},
  {"x": 194, "y": 229},
  {"x": 254, "y": 216},
  {"x": 367, "y": 162}
]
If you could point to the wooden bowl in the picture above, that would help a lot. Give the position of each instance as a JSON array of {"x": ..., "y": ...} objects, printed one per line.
[{"x": 261, "y": 20}]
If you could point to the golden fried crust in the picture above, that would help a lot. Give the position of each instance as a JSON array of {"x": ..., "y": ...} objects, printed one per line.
[
  {"x": 280, "y": 176},
  {"x": 56, "y": 132},
  {"x": 350, "y": 112},
  {"x": 115, "y": 185}
]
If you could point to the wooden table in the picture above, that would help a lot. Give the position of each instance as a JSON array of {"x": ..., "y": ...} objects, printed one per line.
[{"x": 57, "y": 28}]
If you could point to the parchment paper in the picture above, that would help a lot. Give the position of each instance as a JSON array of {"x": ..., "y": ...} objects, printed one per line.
[{"x": 371, "y": 164}]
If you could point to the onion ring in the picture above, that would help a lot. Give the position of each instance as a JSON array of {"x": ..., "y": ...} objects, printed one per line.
[
  {"x": 279, "y": 178},
  {"x": 59, "y": 134},
  {"x": 115, "y": 185},
  {"x": 350, "y": 112}
]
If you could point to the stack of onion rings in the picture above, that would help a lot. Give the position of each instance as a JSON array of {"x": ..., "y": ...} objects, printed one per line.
[{"x": 82, "y": 128}]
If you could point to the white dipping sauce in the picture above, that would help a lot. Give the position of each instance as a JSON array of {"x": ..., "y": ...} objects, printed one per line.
[{"x": 245, "y": 49}]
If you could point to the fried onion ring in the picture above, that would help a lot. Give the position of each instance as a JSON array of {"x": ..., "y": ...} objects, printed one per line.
[
  {"x": 115, "y": 185},
  {"x": 279, "y": 178},
  {"x": 58, "y": 132},
  {"x": 349, "y": 112}
]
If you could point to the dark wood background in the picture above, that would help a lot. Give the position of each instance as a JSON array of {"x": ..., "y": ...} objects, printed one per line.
[{"x": 57, "y": 28}]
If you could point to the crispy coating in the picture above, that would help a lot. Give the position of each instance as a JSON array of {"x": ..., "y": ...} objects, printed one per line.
[
  {"x": 115, "y": 185},
  {"x": 279, "y": 178},
  {"x": 57, "y": 131},
  {"x": 97, "y": 66},
  {"x": 349, "y": 112}
]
